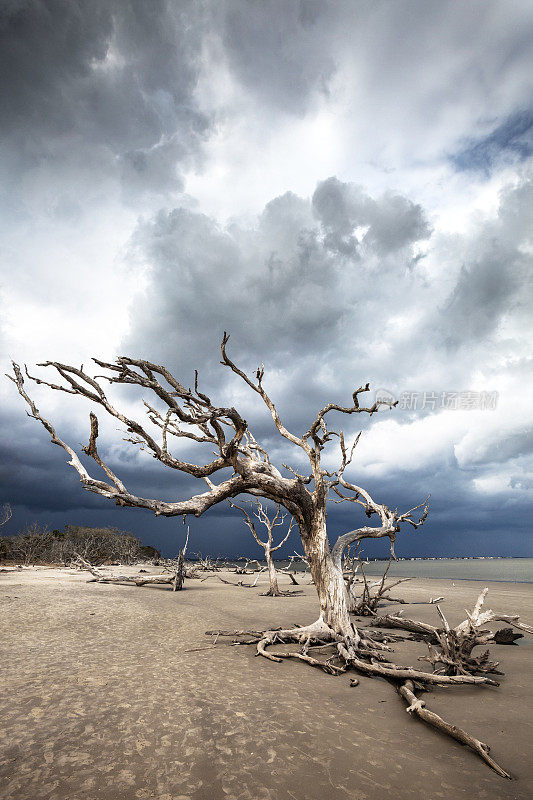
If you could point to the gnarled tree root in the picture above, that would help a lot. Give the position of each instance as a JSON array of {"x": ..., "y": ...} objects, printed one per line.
[
  {"x": 366, "y": 656},
  {"x": 360, "y": 653},
  {"x": 417, "y": 707}
]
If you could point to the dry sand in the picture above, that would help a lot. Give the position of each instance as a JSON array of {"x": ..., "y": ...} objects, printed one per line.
[{"x": 100, "y": 700}]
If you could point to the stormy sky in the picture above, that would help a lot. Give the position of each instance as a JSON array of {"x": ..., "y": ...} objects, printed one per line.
[{"x": 346, "y": 187}]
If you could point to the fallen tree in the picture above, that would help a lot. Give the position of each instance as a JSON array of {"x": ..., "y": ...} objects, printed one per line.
[
  {"x": 238, "y": 570},
  {"x": 174, "y": 577},
  {"x": 190, "y": 414}
]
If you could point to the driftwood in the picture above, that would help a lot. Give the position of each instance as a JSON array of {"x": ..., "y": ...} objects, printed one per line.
[
  {"x": 241, "y": 583},
  {"x": 179, "y": 575},
  {"x": 402, "y": 623},
  {"x": 173, "y": 579},
  {"x": 244, "y": 570},
  {"x": 418, "y": 708},
  {"x": 373, "y": 592},
  {"x": 290, "y": 575},
  {"x": 450, "y": 649},
  {"x": 206, "y": 563}
]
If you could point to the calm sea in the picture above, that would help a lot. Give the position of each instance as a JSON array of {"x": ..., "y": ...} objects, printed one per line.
[{"x": 489, "y": 569}]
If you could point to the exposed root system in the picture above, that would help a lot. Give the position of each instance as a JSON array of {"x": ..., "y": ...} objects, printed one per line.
[{"x": 319, "y": 645}]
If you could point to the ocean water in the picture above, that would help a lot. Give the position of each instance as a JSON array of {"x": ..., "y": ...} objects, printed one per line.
[{"x": 518, "y": 570}]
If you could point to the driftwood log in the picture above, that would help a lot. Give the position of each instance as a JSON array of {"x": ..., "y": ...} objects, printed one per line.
[{"x": 418, "y": 708}]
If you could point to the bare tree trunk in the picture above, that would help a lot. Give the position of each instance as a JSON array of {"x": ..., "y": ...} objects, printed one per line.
[
  {"x": 273, "y": 590},
  {"x": 179, "y": 576},
  {"x": 328, "y": 579},
  {"x": 177, "y": 583}
]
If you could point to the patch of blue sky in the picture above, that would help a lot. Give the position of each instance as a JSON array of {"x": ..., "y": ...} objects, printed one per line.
[{"x": 511, "y": 140}]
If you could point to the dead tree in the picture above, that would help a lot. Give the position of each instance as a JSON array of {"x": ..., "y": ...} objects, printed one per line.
[
  {"x": 191, "y": 414},
  {"x": 142, "y": 579},
  {"x": 268, "y": 545},
  {"x": 179, "y": 576},
  {"x": 206, "y": 563},
  {"x": 373, "y": 591}
]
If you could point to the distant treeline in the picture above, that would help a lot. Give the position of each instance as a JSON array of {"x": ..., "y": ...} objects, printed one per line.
[{"x": 39, "y": 545}]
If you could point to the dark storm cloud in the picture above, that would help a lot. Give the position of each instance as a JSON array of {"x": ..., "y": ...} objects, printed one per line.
[
  {"x": 480, "y": 297},
  {"x": 113, "y": 83},
  {"x": 115, "y": 77},
  {"x": 392, "y": 223}
]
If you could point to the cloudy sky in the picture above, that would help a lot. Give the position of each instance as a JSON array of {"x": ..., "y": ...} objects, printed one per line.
[{"x": 345, "y": 186}]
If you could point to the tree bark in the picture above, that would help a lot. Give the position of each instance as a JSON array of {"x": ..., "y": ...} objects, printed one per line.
[
  {"x": 328, "y": 579},
  {"x": 273, "y": 589},
  {"x": 179, "y": 575}
]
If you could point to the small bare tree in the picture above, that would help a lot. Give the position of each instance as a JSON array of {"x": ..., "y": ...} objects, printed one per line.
[
  {"x": 31, "y": 545},
  {"x": 373, "y": 592},
  {"x": 268, "y": 546},
  {"x": 5, "y": 514}
]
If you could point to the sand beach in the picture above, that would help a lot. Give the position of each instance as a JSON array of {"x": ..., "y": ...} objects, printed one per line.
[{"x": 115, "y": 692}]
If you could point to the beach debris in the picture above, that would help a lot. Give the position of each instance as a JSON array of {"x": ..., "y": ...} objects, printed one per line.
[
  {"x": 373, "y": 592},
  {"x": 99, "y": 576},
  {"x": 289, "y": 569},
  {"x": 418, "y": 708},
  {"x": 450, "y": 649},
  {"x": 244, "y": 570},
  {"x": 507, "y": 636},
  {"x": 174, "y": 575},
  {"x": 179, "y": 574},
  {"x": 206, "y": 563}
]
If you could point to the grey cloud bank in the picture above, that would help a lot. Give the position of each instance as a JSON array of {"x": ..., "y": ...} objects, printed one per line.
[{"x": 155, "y": 194}]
